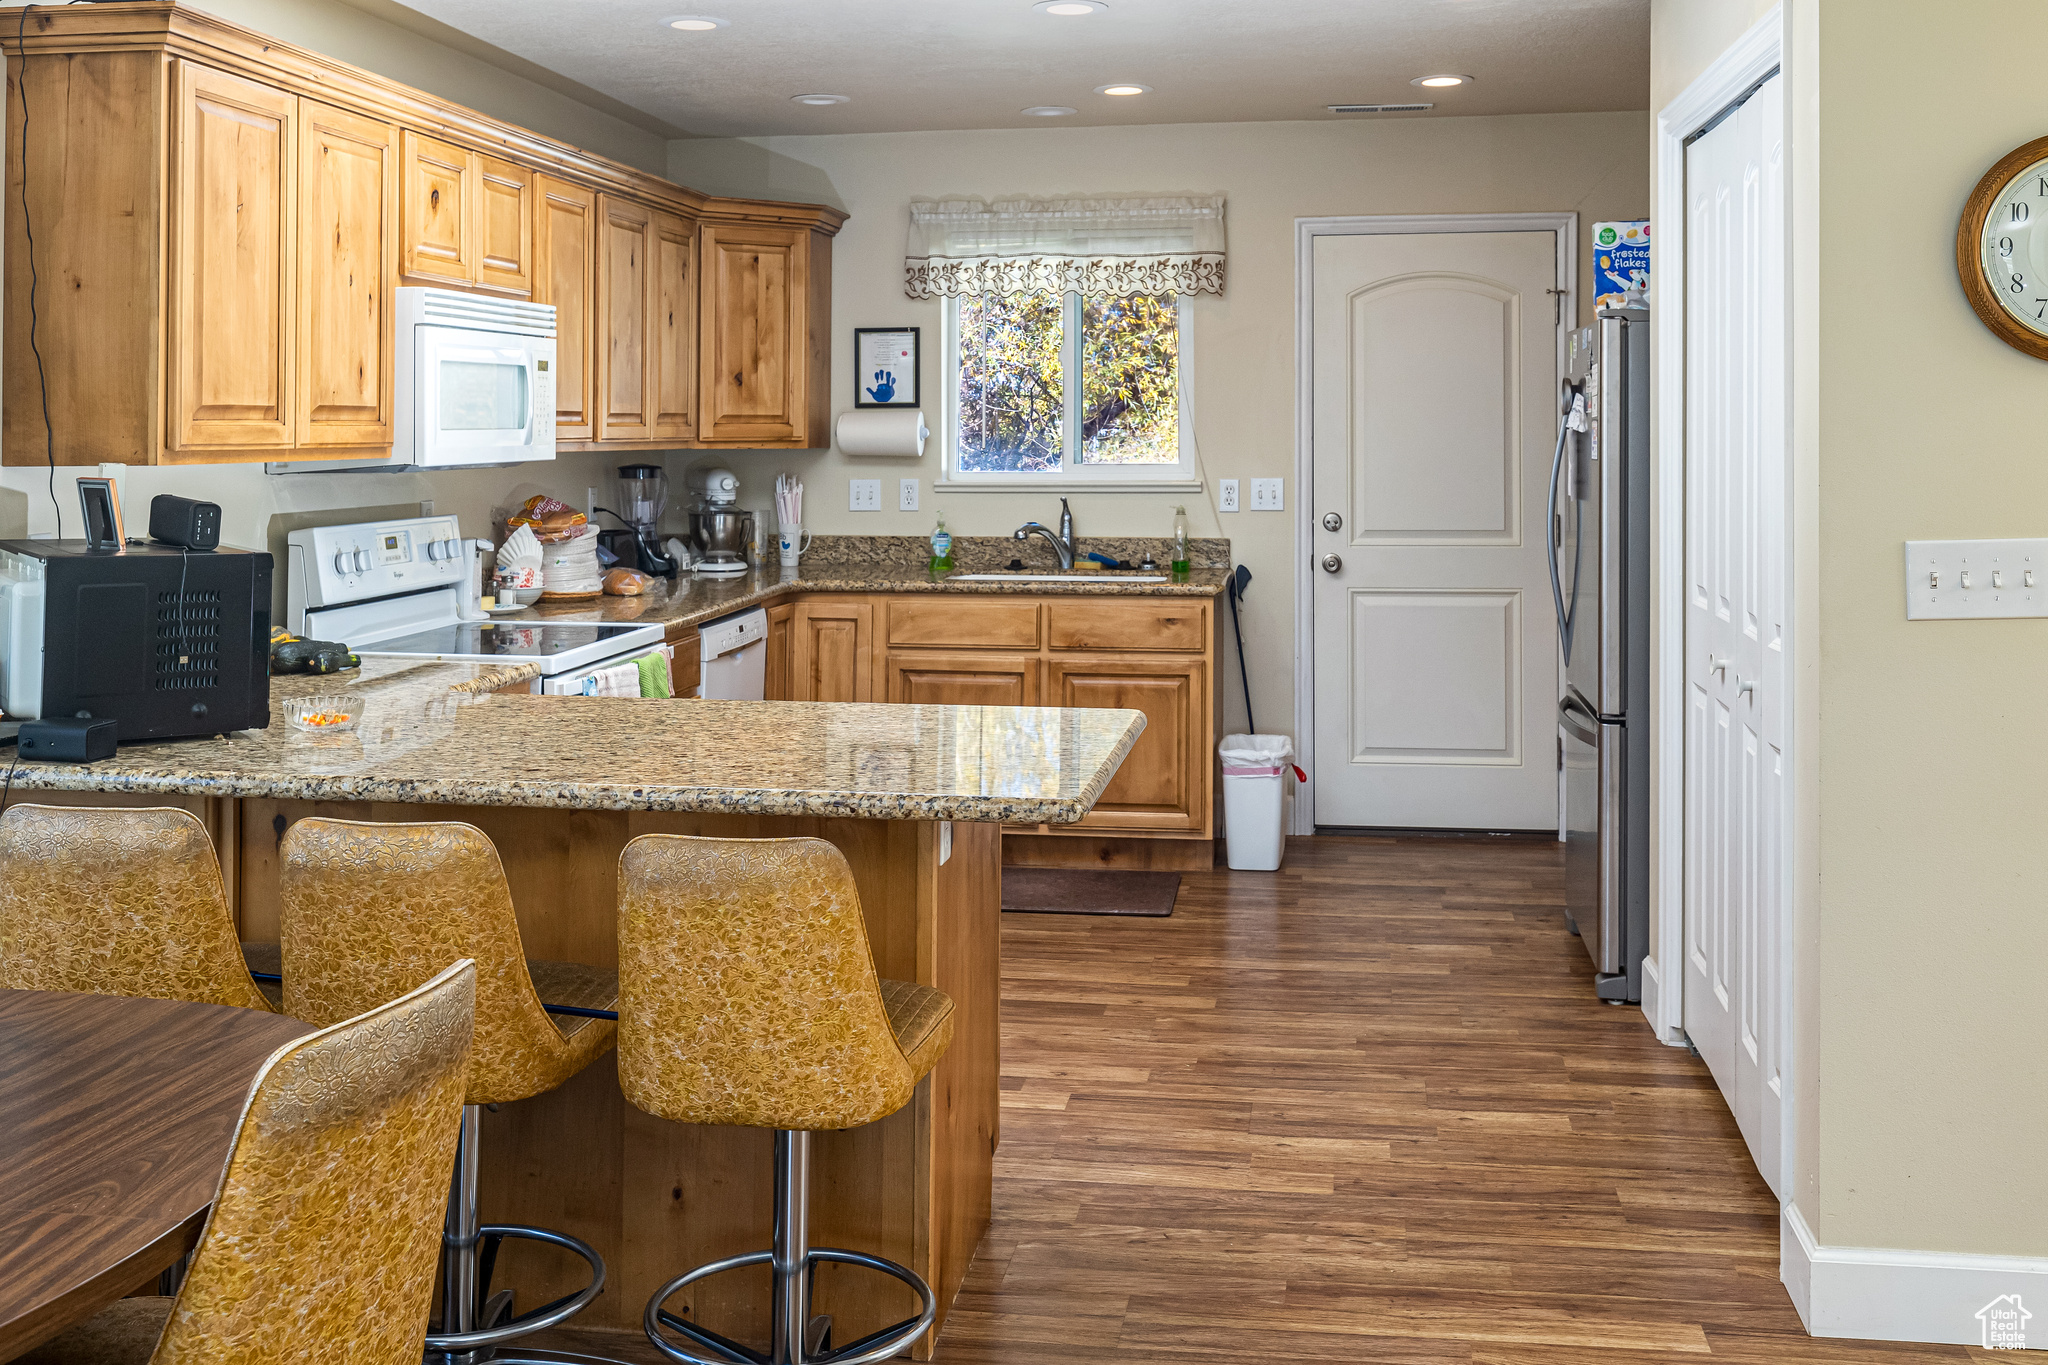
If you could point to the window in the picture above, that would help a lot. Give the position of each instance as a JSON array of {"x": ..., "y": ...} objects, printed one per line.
[{"x": 1058, "y": 386}]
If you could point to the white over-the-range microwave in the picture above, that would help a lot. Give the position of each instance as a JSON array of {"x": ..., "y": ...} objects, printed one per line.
[{"x": 473, "y": 385}]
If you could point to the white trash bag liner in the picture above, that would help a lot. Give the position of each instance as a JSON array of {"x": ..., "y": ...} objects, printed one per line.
[{"x": 1255, "y": 755}]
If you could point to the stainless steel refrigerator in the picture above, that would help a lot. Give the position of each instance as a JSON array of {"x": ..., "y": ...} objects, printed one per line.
[{"x": 1600, "y": 565}]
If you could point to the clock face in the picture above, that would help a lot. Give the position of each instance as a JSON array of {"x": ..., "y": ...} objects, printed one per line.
[{"x": 2013, "y": 250}]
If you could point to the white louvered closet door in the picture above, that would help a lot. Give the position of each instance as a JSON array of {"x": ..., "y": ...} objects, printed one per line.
[{"x": 1736, "y": 770}]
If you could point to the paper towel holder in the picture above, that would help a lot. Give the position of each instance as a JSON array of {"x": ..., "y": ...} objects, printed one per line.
[{"x": 898, "y": 433}]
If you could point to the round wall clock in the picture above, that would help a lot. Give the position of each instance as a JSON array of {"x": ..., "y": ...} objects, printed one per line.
[{"x": 2002, "y": 248}]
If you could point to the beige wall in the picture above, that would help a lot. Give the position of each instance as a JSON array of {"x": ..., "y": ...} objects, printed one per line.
[
  {"x": 247, "y": 496},
  {"x": 1932, "y": 992},
  {"x": 1687, "y": 35},
  {"x": 1242, "y": 344}
]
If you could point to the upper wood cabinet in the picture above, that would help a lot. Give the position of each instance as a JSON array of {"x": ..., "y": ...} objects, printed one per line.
[
  {"x": 565, "y": 275},
  {"x": 468, "y": 218},
  {"x": 220, "y": 220},
  {"x": 348, "y": 215},
  {"x": 232, "y": 254}
]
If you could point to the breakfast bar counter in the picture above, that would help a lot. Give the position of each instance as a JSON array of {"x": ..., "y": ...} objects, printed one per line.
[{"x": 915, "y": 797}]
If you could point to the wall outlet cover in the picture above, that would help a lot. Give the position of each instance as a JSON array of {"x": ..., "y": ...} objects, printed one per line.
[
  {"x": 1226, "y": 495},
  {"x": 1267, "y": 495},
  {"x": 906, "y": 495},
  {"x": 863, "y": 495}
]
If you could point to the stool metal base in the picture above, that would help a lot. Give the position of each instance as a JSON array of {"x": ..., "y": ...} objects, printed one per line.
[
  {"x": 799, "y": 1338},
  {"x": 474, "y": 1321}
]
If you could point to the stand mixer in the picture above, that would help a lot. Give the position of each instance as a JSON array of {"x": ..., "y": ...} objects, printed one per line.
[
  {"x": 718, "y": 529},
  {"x": 643, "y": 493}
]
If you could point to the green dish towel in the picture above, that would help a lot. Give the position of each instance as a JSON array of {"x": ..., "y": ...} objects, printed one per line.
[{"x": 654, "y": 675}]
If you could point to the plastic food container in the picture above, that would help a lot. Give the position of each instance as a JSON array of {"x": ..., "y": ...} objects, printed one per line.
[{"x": 329, "y": 714}]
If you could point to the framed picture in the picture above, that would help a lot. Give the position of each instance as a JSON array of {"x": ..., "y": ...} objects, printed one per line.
[{"x": 885, "y": 364}]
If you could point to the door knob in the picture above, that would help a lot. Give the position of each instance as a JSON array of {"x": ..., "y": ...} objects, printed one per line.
[
  {"x": 1331, "y": 563},
  {"x": 1745, "y": 688},
  {"x": 1332, "y": 522},
  {"x": 1717, "y": 663}
]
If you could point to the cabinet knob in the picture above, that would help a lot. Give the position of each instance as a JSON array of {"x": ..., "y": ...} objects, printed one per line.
[{"x": 1331, "y": 563}]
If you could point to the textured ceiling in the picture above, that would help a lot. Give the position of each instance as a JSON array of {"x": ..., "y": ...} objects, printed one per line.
[{"x": 942, "y": 64}]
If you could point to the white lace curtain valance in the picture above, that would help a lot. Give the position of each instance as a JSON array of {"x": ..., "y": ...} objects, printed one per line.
[{"x": 1152, "y": 245}]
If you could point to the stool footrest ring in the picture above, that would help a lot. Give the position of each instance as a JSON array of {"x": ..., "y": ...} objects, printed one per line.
[
  {"x": 875, "y": 1346},
  {"x": 545, "y": 1316}
]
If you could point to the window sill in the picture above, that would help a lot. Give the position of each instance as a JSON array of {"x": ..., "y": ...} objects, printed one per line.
[{"x": 1049, "y": 485}]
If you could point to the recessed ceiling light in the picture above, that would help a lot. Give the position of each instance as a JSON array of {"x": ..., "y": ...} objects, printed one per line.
[
  {"x": 821, "y": 99},
  {"x": 1047, "y": 110},
  {"x": 695, "y": 23},
  {"x": 1070, "y": 9},
  {"x": 1123, "y": 88},
  {"x": 1439, "y": 82}
]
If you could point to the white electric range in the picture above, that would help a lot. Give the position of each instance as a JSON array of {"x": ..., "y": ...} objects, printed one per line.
[{"x": 407, "y": 589}]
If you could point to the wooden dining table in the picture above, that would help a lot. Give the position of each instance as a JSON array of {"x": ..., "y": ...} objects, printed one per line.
[{"x": 116, "y": 1115}]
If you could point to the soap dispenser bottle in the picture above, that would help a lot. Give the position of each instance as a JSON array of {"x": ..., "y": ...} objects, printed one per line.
[
  {"x": 942, "y": 548},
  {"x": 1181, "y": 562}
]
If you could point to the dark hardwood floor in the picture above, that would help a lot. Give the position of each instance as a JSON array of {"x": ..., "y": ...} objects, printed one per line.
[{"x": 1366, "y": 1108}]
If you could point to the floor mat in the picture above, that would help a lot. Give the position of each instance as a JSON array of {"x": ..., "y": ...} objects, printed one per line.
[{"x": 1086, "y": 891}]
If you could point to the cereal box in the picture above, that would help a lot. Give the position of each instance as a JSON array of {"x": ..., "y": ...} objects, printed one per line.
[{"x": 1621, "y": 262}]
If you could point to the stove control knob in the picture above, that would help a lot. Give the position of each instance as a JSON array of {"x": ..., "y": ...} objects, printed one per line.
[
  {"x": 449, "y": 549},
  {"x": 343, "y": 563},
  {"x": 362, "y": 561},
  {"x": 433, "y": 549}
]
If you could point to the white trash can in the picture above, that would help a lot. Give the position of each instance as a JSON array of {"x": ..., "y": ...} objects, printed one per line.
[{"x": 1254, "y": 769}]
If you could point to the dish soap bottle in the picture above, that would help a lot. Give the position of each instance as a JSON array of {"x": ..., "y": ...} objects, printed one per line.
[
  {"x": 942, "y": 548},
  {"x": 1180, "y": 541}
]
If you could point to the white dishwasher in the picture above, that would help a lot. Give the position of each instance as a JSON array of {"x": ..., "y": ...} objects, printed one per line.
[{"x": 734, "y": 650}]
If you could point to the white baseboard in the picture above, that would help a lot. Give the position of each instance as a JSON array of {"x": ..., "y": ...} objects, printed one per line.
[{"x": 1879, "y": 1294}]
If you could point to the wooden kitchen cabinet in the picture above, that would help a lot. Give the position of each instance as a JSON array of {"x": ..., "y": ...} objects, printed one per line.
[
  {"x": 776, "y": 665},
  {"x": 935, "y": 678},
  {"x": 565, "y": 275},
  {"x": 1163, "y": 786},
  {"x": 348, "y": 194},
  {"x": 231, "y": 336},
  {"x": 209, "y": 204},
  {"x": 832, "y": 650}
]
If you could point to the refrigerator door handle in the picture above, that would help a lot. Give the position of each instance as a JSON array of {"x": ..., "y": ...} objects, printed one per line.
[
  {"x": 1582, "y": 727},
  {"x": 1553, "y": 536}
]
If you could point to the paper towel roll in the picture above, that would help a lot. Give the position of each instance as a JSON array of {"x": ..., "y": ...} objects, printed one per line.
[{"x": 882, "y": 431}]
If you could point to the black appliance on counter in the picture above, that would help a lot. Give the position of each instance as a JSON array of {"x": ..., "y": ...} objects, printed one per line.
[{"x": 164, "y": 641}]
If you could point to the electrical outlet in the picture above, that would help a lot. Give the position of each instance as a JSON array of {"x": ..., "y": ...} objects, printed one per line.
[
  {"x": 863, "y": 495},
  {"x": 1226, "y": 495},
  {"x": 906, "y": 495},
  {"x": 1266, "y": 495}
]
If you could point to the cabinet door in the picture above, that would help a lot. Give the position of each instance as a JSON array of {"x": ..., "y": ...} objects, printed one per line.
[
  {"x": 833, "y": 651},
  {"x": 1163, "y": 783},
  {"x": 752, "y": 333},
  {"x": 776, "y": 687},
  {"x": 929, "y": 677},
  {"x": 672, "y": 324},
  {"x": 504, "y": 229},
  {"x": 624, "y": 230},
  {"x": 230, "y": 335},
  {"x": 348, "y": 234},
  {"x": 565, "y": 272},
  {"x": 438, "y": 187}
]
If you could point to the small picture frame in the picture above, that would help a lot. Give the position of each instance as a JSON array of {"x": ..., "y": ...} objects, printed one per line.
[{"x": 885, "y": 367}]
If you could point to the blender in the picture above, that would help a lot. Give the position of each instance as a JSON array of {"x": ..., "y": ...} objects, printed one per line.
[
  {"x": 718, "y": 528},
  {"x": 643, "y": 492}
]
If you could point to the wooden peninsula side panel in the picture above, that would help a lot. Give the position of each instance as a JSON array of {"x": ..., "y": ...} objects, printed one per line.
[{"x": 656, "y": 1198}]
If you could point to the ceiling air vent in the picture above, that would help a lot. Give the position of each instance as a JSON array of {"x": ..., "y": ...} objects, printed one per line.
[{"x": 1379, "y": 108}]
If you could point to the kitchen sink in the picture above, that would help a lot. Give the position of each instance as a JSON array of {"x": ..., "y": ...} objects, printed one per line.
[{"x": 1057, "y": 578}]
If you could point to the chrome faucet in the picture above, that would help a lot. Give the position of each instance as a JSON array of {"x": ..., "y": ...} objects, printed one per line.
[{"x": 1062, "y": 543}]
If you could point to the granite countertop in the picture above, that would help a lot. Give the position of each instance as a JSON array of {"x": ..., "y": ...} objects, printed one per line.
[
  {"x": 420, "y": 741},
  {"x": 890, "y": 564}
]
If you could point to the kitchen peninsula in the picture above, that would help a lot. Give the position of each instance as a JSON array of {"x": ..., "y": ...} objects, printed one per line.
[{"x": 915, "y": 797}]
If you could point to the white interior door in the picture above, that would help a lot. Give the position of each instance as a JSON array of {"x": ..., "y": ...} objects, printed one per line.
[
  {"x": 1435, "y": 369},
  {"x": 1735, "y": 542}
]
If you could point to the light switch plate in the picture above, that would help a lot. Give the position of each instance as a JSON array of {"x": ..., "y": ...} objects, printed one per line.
[
  {"x": 1997, "y": 570},
  {"x": 1266, "y": 495},
  {"x": 1226, "y": 495},
  {"x": 906, "y": 495},
  {"x": 863, "y": 495}
]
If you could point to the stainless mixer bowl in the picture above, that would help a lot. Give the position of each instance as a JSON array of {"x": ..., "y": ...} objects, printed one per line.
[{"x": 722, "y": 534}]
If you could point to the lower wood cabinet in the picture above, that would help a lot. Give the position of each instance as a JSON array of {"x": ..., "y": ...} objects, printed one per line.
[
  {"x": 775, "y": 686},
  {"x": 1164, "y": 784},
  {"x": 922, "y": 677},
  {"x": 832, "y": 650}
]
